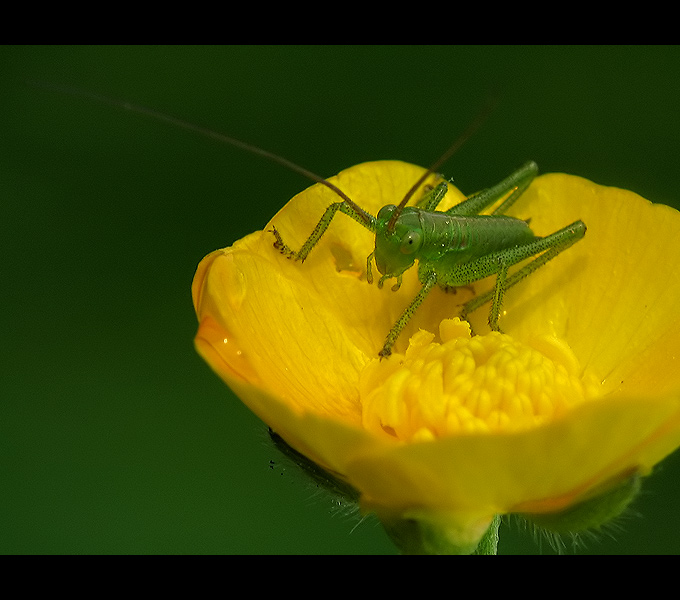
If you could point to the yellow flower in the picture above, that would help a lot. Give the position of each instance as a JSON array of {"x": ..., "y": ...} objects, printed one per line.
[{"x": 580, "y": 391}]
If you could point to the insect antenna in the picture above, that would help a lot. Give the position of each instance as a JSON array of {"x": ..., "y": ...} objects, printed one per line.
[
  {"x": 471, "y": 128},
  {"x": 205, "y": 131}
]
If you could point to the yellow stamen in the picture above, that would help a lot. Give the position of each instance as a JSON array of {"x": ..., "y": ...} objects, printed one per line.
[{"x": 466, "y": 384}]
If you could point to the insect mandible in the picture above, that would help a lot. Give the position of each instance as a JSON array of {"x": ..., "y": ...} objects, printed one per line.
[{"x": 453, "y": 248}]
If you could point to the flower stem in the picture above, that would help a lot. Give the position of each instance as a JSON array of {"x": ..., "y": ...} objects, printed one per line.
[{"x": 423, "y": 535}]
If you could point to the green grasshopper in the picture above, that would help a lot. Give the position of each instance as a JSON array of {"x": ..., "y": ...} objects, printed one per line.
[{"x": 454, "y": 248}]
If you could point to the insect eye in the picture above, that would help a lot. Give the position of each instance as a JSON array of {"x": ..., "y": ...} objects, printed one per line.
[
  {"x": 410, "y": 242},
  {"x": 386, "y": 212}
]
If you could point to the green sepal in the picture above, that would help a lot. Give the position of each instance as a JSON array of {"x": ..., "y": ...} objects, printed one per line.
[
  {"x": 488, "y": 545},
  {"x": 410, "y": 535},
  {"x": 341, "y": 491},
  {"x": 593, "y": 512}
]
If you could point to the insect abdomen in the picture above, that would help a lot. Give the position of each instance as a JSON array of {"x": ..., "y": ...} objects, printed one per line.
[{"x": 454, "y": 239}]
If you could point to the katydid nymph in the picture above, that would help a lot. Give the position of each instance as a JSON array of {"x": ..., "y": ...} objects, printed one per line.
[{"x": 454, "y": 248}]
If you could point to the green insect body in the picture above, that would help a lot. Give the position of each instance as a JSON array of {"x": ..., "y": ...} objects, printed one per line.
[{"x": 453, "y": 248}]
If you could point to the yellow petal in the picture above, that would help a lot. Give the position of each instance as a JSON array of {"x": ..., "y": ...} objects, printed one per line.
[{"x": 614, "y": 300}]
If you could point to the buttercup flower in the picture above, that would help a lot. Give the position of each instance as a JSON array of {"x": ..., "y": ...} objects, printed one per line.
[{"x": 577, "y": 396}]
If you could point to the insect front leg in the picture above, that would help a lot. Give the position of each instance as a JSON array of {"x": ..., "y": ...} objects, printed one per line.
[
  {"x": 364, "y": 219},
  {"x": 431, "y": 200},
  {"x": 550, "y": 246},
  {"x": 392, "y": 336}
]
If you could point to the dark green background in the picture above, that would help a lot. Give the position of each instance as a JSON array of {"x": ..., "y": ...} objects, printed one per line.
[{"x": 115, "y": 437}]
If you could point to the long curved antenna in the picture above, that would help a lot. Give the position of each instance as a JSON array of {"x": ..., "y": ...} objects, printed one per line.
[
  {"x": 471, "y": 128},
  {"x": 220, "y": 137}
]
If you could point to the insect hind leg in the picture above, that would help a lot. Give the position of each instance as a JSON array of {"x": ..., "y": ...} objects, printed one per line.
[
  {"x": 511, "y": 188},
  {"x": 550, "y": 246}
]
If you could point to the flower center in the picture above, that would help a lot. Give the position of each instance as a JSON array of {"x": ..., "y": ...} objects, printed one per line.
[{"x": 491, "y": 383}]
